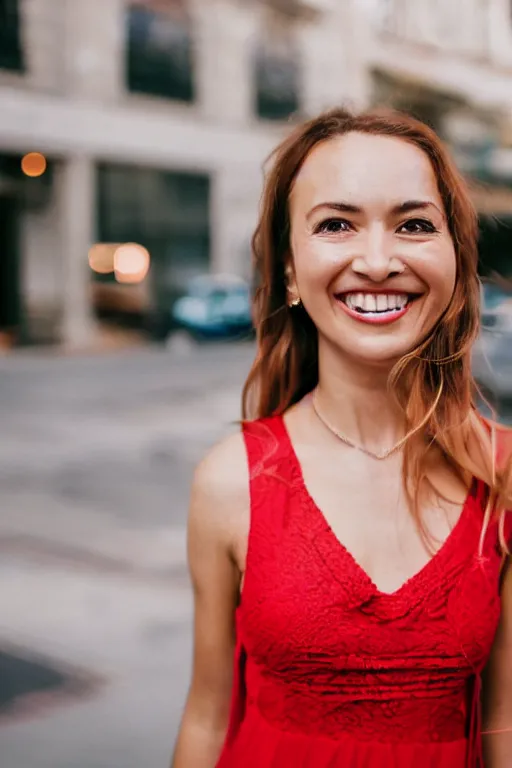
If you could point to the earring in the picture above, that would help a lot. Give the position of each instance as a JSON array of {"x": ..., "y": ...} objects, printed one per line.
[{"x": 294, "y": 302}]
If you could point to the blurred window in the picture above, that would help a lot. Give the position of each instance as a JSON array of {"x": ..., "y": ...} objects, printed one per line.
[
  {"x": 160, "y": 49},
  {"x": 166, "y": 212},
  {"x": 277, "y": 70},
  {"x": 11, "y": 53}
]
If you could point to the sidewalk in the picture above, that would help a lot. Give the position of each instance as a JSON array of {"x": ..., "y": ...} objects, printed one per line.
[
  {"x": 93, "y": 551},
  {"x": 106, "y": 340}
]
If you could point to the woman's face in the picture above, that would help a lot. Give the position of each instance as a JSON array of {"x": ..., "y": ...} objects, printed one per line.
[{"x": 372, "y": 257}]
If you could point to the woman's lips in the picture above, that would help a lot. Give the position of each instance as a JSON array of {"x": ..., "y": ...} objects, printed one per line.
[{"x": 384, "y": 317}]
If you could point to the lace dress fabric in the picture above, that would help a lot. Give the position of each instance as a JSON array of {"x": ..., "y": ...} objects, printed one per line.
[{"x": 330, "y": 672}]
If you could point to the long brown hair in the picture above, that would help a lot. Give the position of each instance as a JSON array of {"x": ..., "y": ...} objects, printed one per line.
[{"x": 433, "y": 383}]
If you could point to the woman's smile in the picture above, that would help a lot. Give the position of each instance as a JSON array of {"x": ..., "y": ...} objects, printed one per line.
[{"x": 376, "y": 308}]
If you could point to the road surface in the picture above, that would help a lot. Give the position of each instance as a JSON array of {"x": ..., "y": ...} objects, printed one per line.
[
  {"x": 95, "y": 463},
  {"x": 96, "y": 460}
]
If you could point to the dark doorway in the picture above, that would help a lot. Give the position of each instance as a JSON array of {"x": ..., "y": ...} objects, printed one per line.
[
  {"x": 495, "y": 246},
  {"x": 10, "y": 310}
]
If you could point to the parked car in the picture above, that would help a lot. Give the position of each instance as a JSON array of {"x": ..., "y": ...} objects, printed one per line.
[
  {"x": 214, "y": 307},
  {"x": 492, "y": 358}
]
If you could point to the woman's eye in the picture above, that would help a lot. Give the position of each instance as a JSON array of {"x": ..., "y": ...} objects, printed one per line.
[
  {"x": 334, "y": 226},
  {"x": 417, "y": 227}
]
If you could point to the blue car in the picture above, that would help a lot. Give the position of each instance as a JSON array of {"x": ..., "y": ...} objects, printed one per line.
[{"x": 215, "y": 307}]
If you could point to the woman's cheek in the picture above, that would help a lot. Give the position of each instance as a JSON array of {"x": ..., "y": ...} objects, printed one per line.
[{"x": 321, "y": 262}]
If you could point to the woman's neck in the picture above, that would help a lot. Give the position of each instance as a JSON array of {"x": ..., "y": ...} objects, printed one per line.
[{"x": 355, "y": 399}]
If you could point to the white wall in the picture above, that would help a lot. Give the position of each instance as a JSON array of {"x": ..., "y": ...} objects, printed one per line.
[
  {"x": 456, "y": 47},
  {"x": 234, "y": 211},
  {"x": 334, "y": 56},
  {"x": 40, "y": 260},
  {"x": 500, "y": 32}
]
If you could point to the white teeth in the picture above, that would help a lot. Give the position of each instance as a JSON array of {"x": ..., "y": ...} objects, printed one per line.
[
  {"x": 399, "y": 300},
  {"x": 382, "y": 302},
  {"x": 376, "y": 302},
  {"x": 370, "y": 303}
]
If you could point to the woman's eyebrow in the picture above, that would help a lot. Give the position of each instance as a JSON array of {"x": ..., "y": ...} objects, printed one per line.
[{"x": 406, "y": 207}]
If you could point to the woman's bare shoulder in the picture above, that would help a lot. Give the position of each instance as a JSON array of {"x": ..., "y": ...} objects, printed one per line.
[
  {"x": 220, "y": 489},
  {"x": 223, "y": 470}
]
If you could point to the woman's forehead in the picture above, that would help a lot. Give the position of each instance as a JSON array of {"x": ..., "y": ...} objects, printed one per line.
[{"x": 364, "y": 170}]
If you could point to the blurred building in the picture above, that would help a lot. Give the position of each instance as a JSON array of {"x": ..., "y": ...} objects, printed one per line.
[
  {"x": 449, "y": 62},
  {"x": 154, "y": 117},
  {"x": 151, "y": 119}
]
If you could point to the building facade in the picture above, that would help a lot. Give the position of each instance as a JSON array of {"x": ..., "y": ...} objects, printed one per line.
[
  {"x": 155, "y": 117},
  {"x": 450, "y": 63},
  {"x": 453, "y": 63}
]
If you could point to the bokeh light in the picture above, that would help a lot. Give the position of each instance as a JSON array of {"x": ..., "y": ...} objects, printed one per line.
[
  {"x": 101, "y": 257},
  {"x": 131, "y": 263},
  {"x": 33, "y": 164}
]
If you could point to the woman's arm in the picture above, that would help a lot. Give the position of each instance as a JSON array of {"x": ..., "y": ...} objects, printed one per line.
[
  {"x": 497, "y": 702},
  {"x": 219, "y": 499}
]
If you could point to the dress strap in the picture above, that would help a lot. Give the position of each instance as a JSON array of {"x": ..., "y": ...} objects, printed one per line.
[
  {"x": 270, "y": 480},
  {"x": 266, "y": 444}
]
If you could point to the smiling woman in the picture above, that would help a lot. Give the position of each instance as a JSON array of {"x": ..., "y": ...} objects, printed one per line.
[
  {"x": 349, "y": 548},
  {"x": 389, "y": 235}
]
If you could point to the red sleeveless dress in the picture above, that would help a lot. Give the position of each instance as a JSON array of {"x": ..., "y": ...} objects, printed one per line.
[{"x": 331, "y": 672}]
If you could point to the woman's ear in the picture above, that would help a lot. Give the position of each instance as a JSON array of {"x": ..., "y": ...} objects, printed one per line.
[{"x": 292, "y": 291}]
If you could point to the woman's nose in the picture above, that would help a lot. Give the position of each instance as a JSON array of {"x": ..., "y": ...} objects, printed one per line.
[{"x": 376, "y": 261}]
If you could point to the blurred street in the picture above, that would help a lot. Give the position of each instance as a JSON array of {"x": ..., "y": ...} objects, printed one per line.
[{"x": 96, "y": 462}]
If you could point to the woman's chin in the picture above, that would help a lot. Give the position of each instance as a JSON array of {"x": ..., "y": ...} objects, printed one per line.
[{"x": 375, "y": 352}]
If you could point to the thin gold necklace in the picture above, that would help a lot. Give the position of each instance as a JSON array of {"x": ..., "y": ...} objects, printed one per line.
[{"x": 351, "y": 443}]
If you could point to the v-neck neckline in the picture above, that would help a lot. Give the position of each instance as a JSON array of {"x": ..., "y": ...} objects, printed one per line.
[{"x": 320, "y": 526}]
